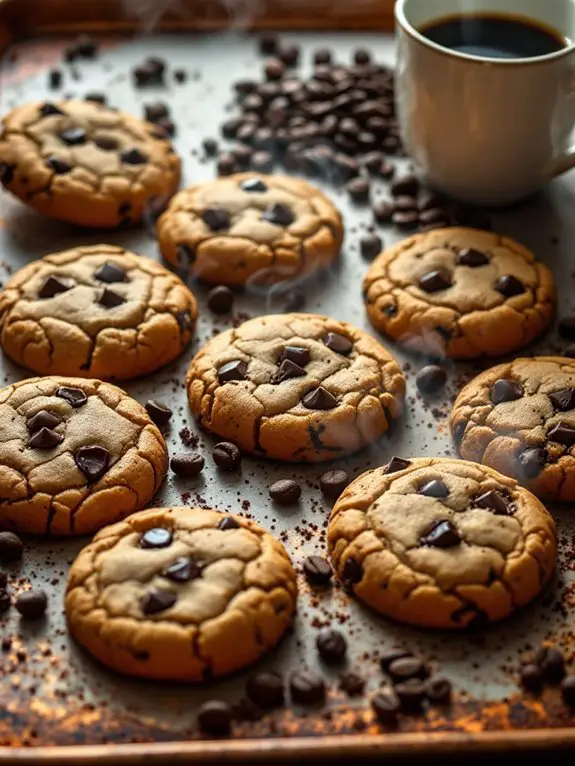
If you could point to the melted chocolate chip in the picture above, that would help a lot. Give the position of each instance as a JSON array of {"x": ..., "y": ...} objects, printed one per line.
[
  {"x": 110, "y": 273},
  {"x": 442, "y": 534},
  {"x": 73, "y": 136},
  {"x": 58, "y": 166},
  {"x": 47, "y": 109},
  {"x": 352, "y": 572},
  {"x": 505, "y": 391},
  {"x": 563, "y": 400},
  {"x": 45, "y": 438},
  {"x": 216, "y": 218},
  {"x": 319, "y": 399},
  {"x": 93, "y": 461},
  {"x": 110, "y": 299},
  {"x": 228, "y": 522},
  {"x": 54, "y": 286},
  {"x": 157, "y": 600},
  {"x": 74, "y": 396},
  {"x": 338, "y": 343},
  {"x": 278, "y": 214},
  {"x": 42, "y": 419},
  {"x": 184, "y": 320},
  {"x": 157, "y": 537},
  {"x": 396, "y": 464},
  {"x": 493, "y": 501},
  {"x": 471, "y": 257},
  {"x": 184, "y": 569},
  {"x": 435, "y": 281},
  {"x": 296, "y": 354},
  {"x": 253, "y": 185},
  {"x": 235, "y": 370},
  {"x": 287, "y": 370},
  {"x": 133, "y": 157},
  {"x": 434, "y": 488},
  {"x": 562, "y": 433},
  {"x": 509, "y": 286},
  {"x": 532, "y": 461}
]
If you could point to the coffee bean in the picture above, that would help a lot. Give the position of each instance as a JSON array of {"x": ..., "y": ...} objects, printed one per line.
[
  {"x": 210, "y": 146},
  {"x": 352, "y": 572},
  {"x": 220, "y": 300},
  {"x": 406, "y": 667},
  {"x": 396, "y": 464},
  {"x": 331, "y": 646},
  {"x": 438, "y": 690},
  {"x": 509, "y": 286},
  {"x": 434, "y": 488},
  {"x": 227, "y": 456},
  {"x": 435, "y": 281},
  {"x": 370, "y": 246},
  {"x": 391, "y": 655},
  {"x": 471, "y": 257},
  {"x": 54, "y": 79},
  {"x": 93, "y": 461},
  {"x": 386, "y": 706},
  {"x": 552, "y": 663},
  {"x": 504, "y": 390},
  {"x": 31, "y": 604},
  {"x": 345, "y": 168},
  {"x": 431, "y": 379},
  {"x": 332, "y": 483},
  {"x": 443, "y": 534},
  {"x": 352, "y": 684},
  {"x": 187, "y": 465},
  {"x": 45, "y": 438},
  {"x": 405, "y": 204},
  {"x": 562, "y": 433},
  {"x": 563, "y": 400},
  {"x": 263, "y": 162},
  {"x": 226, "y": 164},
  {"x": 359, "y": 189},
  {"x": 411, "y": 695},
  {"x": 307, "y": 688},
  {"x": 274, "y": 69},
  {"x": 110, "y": 273},
  {"x": 316, "y": 569},
  {"x": 11, "y": 547},
  {"x": 372, "y": 161},
  {"x": 54, "y": 286},
  {"x": 227, "y": 523},
  {"x": 156, "y": 537},
  {"x": 215, "y": 718},
  {"x": 156, "y": 111},
  {"x": 159, "y": 413},
  {"x": 285, "y": 492},
  {"x": 408, "y": 185},
  {"x": 86, "y": 47},
  {"x": 531, "y": 677},
  {"x": 268, "y": 43},
  {"x": 235, "y": 370},
  {"x": 382, "y": 211},
  {"x": 289, "y": 55},
  {"x": 405, "y": 220},
  {"x": 266, "y": 689},
  {"x": 568, "y": 690},
  {"x": 322, "y": 56},
  {"x": 532, "y": 461},
  {"x": 493, "y": 501},
  {"x": 319, "y": 399}
]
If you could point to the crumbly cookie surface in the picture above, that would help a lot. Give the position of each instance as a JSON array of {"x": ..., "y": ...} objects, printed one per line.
[
  {"x": 297, "y": 387},
  {"x": 75, "y": 455},
  {"x": 460, "y": 293},
  {"x": 441, "y": 543},
  {"x": 85, "y": 163},
  {"x": 519, "y": 418},
  {"x": 183, "y": 594},
  {"x": 96, "y": 311},
  {"x": 249, "y": 226}
]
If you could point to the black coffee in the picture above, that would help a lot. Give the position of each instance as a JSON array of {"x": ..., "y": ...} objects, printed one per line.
[{"x": 494, "y": 36}]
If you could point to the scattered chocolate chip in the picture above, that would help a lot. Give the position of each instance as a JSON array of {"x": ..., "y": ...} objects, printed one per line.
[
  {"x": 386, "y": 706},
  {"x": 338, "y": 343},
  {"x": 406, "y": 185},
  {"x": 397, "y": 464},
  {"x": 562, "y": 433},
  {"x": 216, "y": 218},
  {"x": 563, "y": 400},
  {"x": 552, "y": 663},
  {"x": 568, "y": 690},
  {"x": 86, "y": 47},
  {"x": 159, "y": 413},
  {"x": 157, "y": 600},
  {"x": 73, "y": 136},
  {"x": 332, "y": 483},
  {"x": 110, "y": 299},
  {"x": 285, "y": 492},
  {"x": 42, "y": 419},
  {"x": 268, "y": 43},
  {"x": 411, "y": 695},
  {"x": 54, "y": 286},
  {"x": 54, "y": 78},
  {"x": 406, "y": 667},
  {"x": 253, "y": 185},
  {"x": 215, "y": 718},
  {"x": 567, "y": 328},
  {"x": 47, "y": 109},
  {"x": 11, "y": 547},
  {"x": 60, "y": 167},
  {"x": 316, "y": 569},
  {"x": 307, "y": 688},
  {"x": 352, "y": 684},
  {"x": 45, "y": 438},
  {"x": 227, "y": 523},
  {"x": 187, "y": 465},
  {"x": 359, "y": 189},
  {"x": 352, "y": 572},
  {"x": 471, "y": 257},
  {"x": 180, "y": 75},
  {"x": 493, "y": 501},
  {"x": 391, "y": 655},
  {"x": 184, "y": 569},
  {"x": 235, "y": 370},
  {"x": 370, "y": 246},
  {"x": 438, "y": 690},
  {"x": 434, "y": 488},
  {"x": 110, "y": 273},
  {"x": 296, "y": 354},
  {"x": 509, "y": 286},
  {"x": 157, "y": 537},
  {"x": 266, "y": 689},
  {"x": 74, "y": 396},
  {"x": 31, "y": 604},
  {"x": 322, "y": 56},
  {"x": 278, "y": 214},
  {"x": 96, "y": 97},
  {"x": 286, "y": 371},
  {"x": 93, "y": 461},
  {"x": 133, "y": 157},
  {"x": 220, "y": 300},
  {"x": 210, "y": 146},
  {"x": 361, "y": 56},
  {"x": 531, "y": 677},
  {"x": 435, "y": 281},
  {"x": 442, "y": 534},
  {"x": 504, "y": 390},
  {"x": 532, "y": 461},
  {"x": 319, "y": 399},
  {"x": 227, "y": 456},
  {"x": 156, "y": 111},
  {"x": 431, "y": 379},
  {"x": 331, "y": 645}
]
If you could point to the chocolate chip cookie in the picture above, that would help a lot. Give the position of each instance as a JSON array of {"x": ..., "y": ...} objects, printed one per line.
[
  {"x": 460, "y": 293},
  {"x": 250, "y": 227},
  {"x": 97, "y": 311},
  {"x": 519, "y": 418},
  {"x": 441, "y": 543},
  {"x": 296, "y": 387},
  {"x": 85, "y": 163},
  {"x": 182, "y": 594},
  {"x": 75, "y": 455}
]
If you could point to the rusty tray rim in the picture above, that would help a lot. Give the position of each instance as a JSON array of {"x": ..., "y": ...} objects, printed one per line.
[{"x": 21, "y": 19}]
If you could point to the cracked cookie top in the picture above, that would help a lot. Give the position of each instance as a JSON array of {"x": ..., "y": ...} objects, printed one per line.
[
  {"x": 96, "y": 311},
  {"x": 460, "y": 293},
  {"x": 297, "y": 387},
  {"x": 75, "y": 455},
  {"x": 83, "y": 162},
  {"x": 519, "y": 418},
  {"x": 250, "y": 227},
  {"x": 441, "y": 543},
  {"x": 183, "y": 594}
]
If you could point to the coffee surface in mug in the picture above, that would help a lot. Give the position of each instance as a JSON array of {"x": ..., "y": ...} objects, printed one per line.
[{"x": 494, "y": 36}]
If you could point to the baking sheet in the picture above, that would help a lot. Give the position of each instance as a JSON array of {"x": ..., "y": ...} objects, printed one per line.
[{"x": 53, "y": 693}]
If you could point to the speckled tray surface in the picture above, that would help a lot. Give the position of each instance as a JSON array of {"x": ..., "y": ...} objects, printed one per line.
[{"x": 51, "y": 693}]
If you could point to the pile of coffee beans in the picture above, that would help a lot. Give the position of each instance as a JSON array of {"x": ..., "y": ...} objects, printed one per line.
[{"x": 547, "y": 668}]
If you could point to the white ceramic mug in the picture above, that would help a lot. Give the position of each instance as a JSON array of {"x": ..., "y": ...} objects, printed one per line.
[{"x": 486, "y": 131}]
